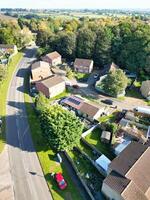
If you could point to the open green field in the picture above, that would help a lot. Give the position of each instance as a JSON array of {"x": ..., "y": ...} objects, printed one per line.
[
  {"x": 3, "y": 94},
  {"x": 47, "y": 156}
]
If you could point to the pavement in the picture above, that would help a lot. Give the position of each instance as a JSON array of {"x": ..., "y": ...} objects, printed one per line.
[
  {"x": 6, "y": 187},
  {"x": 25, "y": 177}
]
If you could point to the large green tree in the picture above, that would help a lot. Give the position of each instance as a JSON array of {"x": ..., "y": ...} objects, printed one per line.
[
  {"x": 115, "y": 83},
  {"x": 61, "y": 128},
  {"x": 102, "y": 54},
  {"x": 85, "y": 43}
]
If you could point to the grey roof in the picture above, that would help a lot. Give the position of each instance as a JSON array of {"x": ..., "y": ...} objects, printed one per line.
[
  {"x": 126, "y": 159},
  {"x": 116, "y": 181}
]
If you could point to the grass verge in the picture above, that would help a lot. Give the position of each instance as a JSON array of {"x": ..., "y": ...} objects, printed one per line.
[
  {"x": 3, "y": 94},
  {"x": 47, "y": 156}
]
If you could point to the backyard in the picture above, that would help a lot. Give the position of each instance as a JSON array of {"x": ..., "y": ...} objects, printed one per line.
[
  {"x": 88, "y": 172},
  {"x": 94, "y": 139}
]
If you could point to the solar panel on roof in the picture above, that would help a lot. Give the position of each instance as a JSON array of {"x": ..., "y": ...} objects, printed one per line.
[{"x": 76, "y": 102}]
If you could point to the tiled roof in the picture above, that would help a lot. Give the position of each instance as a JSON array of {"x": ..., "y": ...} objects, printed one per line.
[
  {"x": 52, "y": 81},
  {"x": 127, "y": 158},
  {"x": 82, "y": 62},
  {"x": 89, "y": 109},
  {"x": 116, "y": 181},
  {"x": 39, "y": 64},
  {"x": 54, "y": 55}
]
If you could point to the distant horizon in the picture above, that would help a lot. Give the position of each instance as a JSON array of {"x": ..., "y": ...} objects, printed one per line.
[
  {"x": 77, "y": 4},
  {"x": 126, "y": 9}
]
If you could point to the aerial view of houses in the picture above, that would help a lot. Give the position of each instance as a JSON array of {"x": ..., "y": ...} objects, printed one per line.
[{"x": 75, "y": 100}]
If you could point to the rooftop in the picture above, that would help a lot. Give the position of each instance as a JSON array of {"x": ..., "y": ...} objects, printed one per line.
[
  {"x": 40, "y": 64},
  {"x": 54, "y": 55},
  {"x": 83, "y": 62},
  {"x": 52, "y": 81},
  {"x": 127, "y": 158},
  {"x": 90, "y": 109}
]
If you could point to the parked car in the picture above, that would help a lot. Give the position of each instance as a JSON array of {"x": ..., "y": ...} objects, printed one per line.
[
  {"x": 107, "y": 101},
  {"x": 60, "y": 181},
  {"x": 75, "y": 86},
  {"x": 96, "y": 76}
]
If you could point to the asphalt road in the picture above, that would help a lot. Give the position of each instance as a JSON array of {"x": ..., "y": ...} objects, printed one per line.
[{"x": 26, "y": 173}]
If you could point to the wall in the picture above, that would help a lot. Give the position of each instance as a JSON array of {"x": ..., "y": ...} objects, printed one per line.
[
  {"x": 89, "y": 131},
  {"x": 109, "y": 193},
  {"x": 41, "y": 88},
  {"x": 59, "y": 88},
  {"x": 56, "y": 61}
]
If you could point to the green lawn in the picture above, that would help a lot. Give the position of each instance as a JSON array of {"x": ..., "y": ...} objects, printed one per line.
[
  {"x": 3, "y": 94},
  {"x": 81, "y": 76},
  {"x": 94, "y": 139},
  {"x": 47, "y": 156},
  {"x": 63, "y": 94},
  {"x": 111, "y": 118}
]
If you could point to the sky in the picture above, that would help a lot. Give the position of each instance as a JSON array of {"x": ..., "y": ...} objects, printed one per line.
[{"x": 76, "y": 4}]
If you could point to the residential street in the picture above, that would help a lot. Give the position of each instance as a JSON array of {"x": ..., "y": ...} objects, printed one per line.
[{"x": 26, "y": 173}]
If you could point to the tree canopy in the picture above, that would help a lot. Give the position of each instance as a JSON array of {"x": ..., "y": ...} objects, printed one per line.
[
  {"x": 61, "y": 128},
  {"x": 115, "y": 82}
]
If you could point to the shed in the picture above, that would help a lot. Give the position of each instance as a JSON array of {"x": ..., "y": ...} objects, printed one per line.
[
  {"x": 105, "y": 136},
  {"x": 121, "y": 147},
  {"x": 103, "y": 162}
]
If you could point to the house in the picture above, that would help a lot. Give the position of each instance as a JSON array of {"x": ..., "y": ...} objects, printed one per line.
[
  {"x": 53, "y": 58},
  {"x": 90, "y": 111},
  {"x": 145, "y": 89},
  {"x": 73, "y": 102},
  {"x": 83, "y": 65},
  {"x": 109, "y": 68},
  {"x": 105, "y": 137},
  {"x": 40, "y": 70},
  {"x": 7, "y": 48},
  {"x": 129, "y": 174},
  {"x": 51, "y": 86},
  {"x": 85, "y": 109}
]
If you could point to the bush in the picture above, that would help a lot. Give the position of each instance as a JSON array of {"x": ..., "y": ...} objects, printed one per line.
[{"x": 61, "y": 128}]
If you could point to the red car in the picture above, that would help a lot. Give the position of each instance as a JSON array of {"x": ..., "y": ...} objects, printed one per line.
[{"x": 60, "y": 181}]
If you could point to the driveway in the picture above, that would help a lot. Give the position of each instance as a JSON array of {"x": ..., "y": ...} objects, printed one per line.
[{"x": 27, "y": 177}]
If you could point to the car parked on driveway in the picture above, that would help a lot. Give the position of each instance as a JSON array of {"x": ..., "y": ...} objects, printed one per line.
[
  {"x": 60, "y": 181},
  {"x": 107, "y": 101}
]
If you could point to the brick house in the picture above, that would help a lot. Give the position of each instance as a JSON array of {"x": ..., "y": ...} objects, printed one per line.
[
  {"x": 51, "y": 86},
  {"x": 39, "y": 71},
  {"x": 83, "y": 65},
  {"x": 53, "y": 58}
]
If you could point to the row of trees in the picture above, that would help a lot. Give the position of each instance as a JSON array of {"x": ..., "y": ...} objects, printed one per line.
[
  {"x": 11, "y": 33},
  {"x": 125, "y": 41}
]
